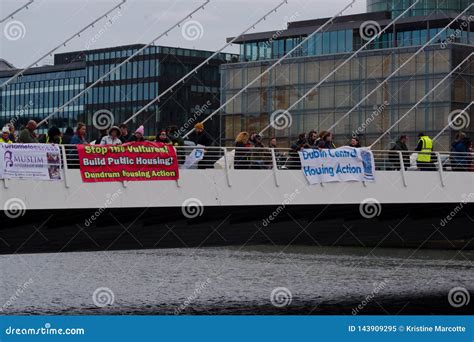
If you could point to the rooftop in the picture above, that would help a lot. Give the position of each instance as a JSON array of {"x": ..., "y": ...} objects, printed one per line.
[{"x": 306, "y": 27}]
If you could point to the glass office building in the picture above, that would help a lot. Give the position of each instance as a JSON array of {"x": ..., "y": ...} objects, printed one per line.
[
  {"x": 295, "y": 76},
  {"x": 124, "y": 92},
  {"x": 423, "y": 8}
]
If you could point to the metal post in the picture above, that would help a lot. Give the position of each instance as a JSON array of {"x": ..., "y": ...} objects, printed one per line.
[
  {"x": 65, "y": 166},
  {"x": 227, "y": 167},
  {"x": 275, "y": 167},
  {"x": 440, "y": 169},
  {"x": 402, "y": 168}
]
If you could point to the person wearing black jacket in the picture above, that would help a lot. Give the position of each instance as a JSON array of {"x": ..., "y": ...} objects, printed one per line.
[
  {"x": 201, "y": 137},
  {"x": 400, "y": 145}
]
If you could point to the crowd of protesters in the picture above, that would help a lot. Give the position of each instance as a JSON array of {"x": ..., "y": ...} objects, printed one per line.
[{"x": 250, "y": 151}]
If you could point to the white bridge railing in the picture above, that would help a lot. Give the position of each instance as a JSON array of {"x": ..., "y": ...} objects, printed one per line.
[{"x": 281, "y": 159}]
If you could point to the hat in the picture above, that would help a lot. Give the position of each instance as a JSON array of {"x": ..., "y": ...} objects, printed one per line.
[
  {"x": 5, "y": 130},
  {"x": 116, "y": 129},
  {"x": 199, "y": 125},
  {"x": 140, "y": 130}
]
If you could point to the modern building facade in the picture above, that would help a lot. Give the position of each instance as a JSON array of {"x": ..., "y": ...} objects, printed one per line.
[
  {"x": 43, "y": 89},
  {"x": 324, "y": 107}
]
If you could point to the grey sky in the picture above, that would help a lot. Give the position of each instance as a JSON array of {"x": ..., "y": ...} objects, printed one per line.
[{"x": 49, "y": 22}]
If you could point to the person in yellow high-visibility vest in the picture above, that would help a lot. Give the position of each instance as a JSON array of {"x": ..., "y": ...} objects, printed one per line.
[
  {"x": 425, "y": 160},
  {"x": 5, "y": 137}
]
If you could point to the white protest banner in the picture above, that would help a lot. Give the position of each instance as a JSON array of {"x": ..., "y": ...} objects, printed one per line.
[
  {"x": 194, "y": 158},
  {"x": 30, "y": 161},
  {"x": 343, "y": 164}
]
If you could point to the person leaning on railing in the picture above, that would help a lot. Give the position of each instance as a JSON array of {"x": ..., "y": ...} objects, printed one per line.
[
  {"x": 279, "y": 157},
  {"x": 425, "y": 160},
  {"x": 242, "y": 151},
  {"x": 394, "y": 158},
  {"x": 260, "y": 158},
  {"x": 460, "y": 160},
  {"x": 293, "y": 162},
  {"x": 201, "y": 138}
]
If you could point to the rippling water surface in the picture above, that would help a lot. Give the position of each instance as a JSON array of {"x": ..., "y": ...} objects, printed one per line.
[{"x": 304, "y": 280}]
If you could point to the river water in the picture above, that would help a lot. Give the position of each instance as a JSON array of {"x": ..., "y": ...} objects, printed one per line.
[{"x": 231, "y": 280}]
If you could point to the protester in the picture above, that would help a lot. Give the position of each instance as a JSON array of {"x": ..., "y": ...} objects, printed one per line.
[
  {"x": 425, "y": 147},
  {"x": 173, "y": 135},
  {"x": 5, "y": 137},
  {"x": 13, "y": 136},
  {"x": 280, "y": 158},
  {"x": 113, "y": 138},
  {"x": 293, "y": 161},
  {"x": 28, "y": 135},
  {"x": 460, "y": 147},
  {"x": 252, "y": 138},
  {"x": 242, "y": 151},
  {"x": 163, "y": 137},
  {"x": 52, "y": 137},
  {"x": 138, "y": 135},
  {"x": 80, "y": 137},
  {"x": 312, "y": 139},
  {"x": 67, "y": 136},
  {"x": 102, "y": 134},
  {"x": 325, "y": 140},
  {"x": 355, "y": 142},
  {"x": 261, "y": 158},
  {"x": 400, "y": 145},
  {"x": 200, "y": 136},
  {"x": 124, "y": 134}
]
